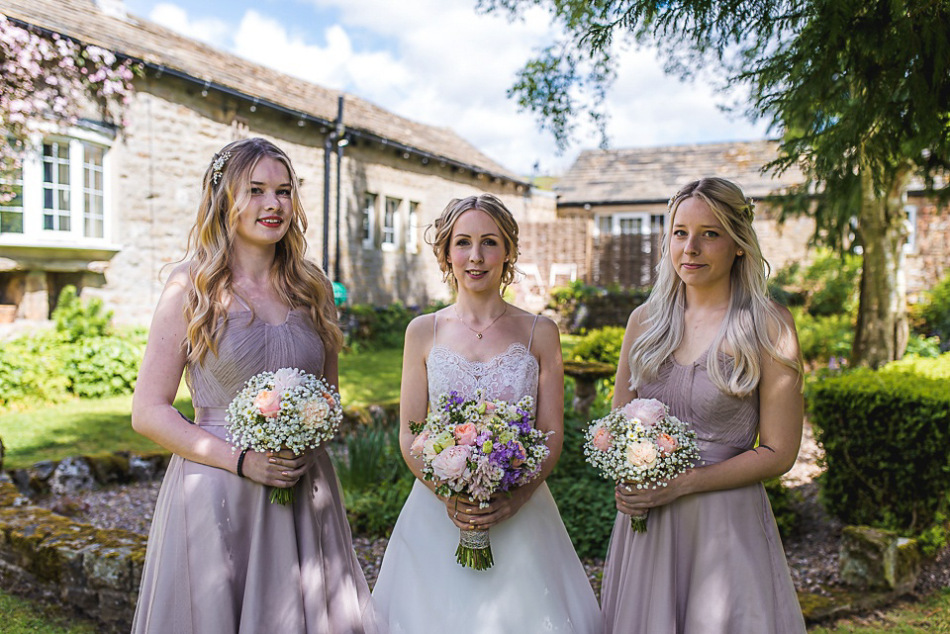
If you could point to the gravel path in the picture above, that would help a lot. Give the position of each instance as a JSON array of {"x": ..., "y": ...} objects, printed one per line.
[{"x": 812, "y": 553}]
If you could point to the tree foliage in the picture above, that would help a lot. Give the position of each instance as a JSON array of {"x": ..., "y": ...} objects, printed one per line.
[
  {"x": 858, "y": 91},
  {"x": 47, "y": 80}
]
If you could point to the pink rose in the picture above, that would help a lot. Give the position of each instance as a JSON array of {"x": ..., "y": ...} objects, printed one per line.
[
  {"x": 641, "y": 454},
  {"x": 452, "y": 462},
  {"x": 603, "y": 439},
  {"x": 666, "y": 443},
  {"x": 465, "y": 434},
  {"x": 648, "y": 411},
  {"x": 417, "y": 445},
  {"x": 267, "y": 403}
]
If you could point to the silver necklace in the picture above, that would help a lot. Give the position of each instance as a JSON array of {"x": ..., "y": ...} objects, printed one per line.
[{"x": 478, "y": 334}]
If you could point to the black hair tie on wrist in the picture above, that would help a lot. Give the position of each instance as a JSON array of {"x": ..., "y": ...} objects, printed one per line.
[{"x": 240, "y": 464}]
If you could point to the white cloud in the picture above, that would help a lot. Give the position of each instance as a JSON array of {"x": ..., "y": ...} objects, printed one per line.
[
  {"x": 438, "y": 62},
  {"x": 209, "y": 30}
]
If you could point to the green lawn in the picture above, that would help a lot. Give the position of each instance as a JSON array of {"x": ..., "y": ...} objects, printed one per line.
[
  {"x": 91, "y": 426},
  {"x": 22, "y": 616}
]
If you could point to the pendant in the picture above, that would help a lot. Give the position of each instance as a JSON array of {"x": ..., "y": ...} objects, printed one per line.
[{"x": 478, "y": 335}]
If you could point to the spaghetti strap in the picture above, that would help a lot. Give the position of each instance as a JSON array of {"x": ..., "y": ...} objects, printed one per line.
[
  {"x": 435, "y": 321},
  {"x": 533, "y": 324},
  {"x": 240, "y": 300}
]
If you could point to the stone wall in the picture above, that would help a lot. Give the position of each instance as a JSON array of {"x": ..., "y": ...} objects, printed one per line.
[
  {"x": 93, "y": 571},
  {"x": 929, "y": 260}
]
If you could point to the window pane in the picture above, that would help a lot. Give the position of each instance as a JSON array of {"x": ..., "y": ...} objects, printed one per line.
[
  {"x": 63, "y": 200},
  {"x": 47, "y": 198},
  {"x": 11, "y": 222},
  {"x": 63, "y": 173},
  {"x": 64, "y": 223},
  {"x": 48, "y": 222}
]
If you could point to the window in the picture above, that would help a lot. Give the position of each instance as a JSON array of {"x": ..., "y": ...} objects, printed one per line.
[
  {"x": 412, "y": 236},
  {"x": 910, "y": 224},
  {"x": 367, "y": 233},
  {"x": 390, "y": 222},
  {"x": 628, "y": 223},
  {"x": 60, "y": 193},
  {"x": 11, "y": 205},
  {"x": 56, "y": 207},
  {"x": 93, "y": 192}
]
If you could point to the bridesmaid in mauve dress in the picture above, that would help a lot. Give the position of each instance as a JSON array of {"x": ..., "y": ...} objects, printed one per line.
[
  {"x": 221, "y": 558},
  {"x": 710, "y": 344}
]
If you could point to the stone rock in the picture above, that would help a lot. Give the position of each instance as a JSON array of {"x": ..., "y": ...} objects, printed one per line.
[
  {"x": 877, "y": 559},
  {"x": 71, "y": 476},
  {"x": 2, "y": 452},
  {"x": 43, "y": 470}
]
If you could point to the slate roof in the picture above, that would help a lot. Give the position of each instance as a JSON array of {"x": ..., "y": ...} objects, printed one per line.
[
  {"x": 162, "y": 48},
  {"x": 651, "y": 175}
]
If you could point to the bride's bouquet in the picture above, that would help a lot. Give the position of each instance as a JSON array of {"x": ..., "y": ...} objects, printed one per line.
[
  {"x": 640, "y": 444},
  {"x": 286, "y": 409},
  {"x": 478, "y": 448}
]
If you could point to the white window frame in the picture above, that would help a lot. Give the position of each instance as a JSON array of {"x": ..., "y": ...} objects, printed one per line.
[
  {"x": 910, "y": 245},
  {"x": 616, "y": 220},
  {"x": 389, "y": 227},
  {"x": 413, "y": 229},
  {"x": 34, "y": 233},
  {"x": 368, "y": 220}
]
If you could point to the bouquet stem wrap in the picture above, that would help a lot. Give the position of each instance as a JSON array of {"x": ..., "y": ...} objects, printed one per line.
[
  {"x": 639, "y": 522},
  {"x": 474, "y": 550}
]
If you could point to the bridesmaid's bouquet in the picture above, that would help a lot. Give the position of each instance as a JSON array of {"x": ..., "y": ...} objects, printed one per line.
[
  {"x": 478, "y": 448},
  {"x": 640, "y": 444},
  {"x": 286, "y": 409}
]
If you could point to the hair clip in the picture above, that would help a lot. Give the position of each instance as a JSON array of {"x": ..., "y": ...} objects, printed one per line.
[
  {"x": 749, "y": 210},
  {"x": 669, "y": 205},
  {"x": 217, "y": 166}
]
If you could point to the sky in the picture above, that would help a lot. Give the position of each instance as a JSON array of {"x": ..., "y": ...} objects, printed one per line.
[{"x": 442, "y": 63}]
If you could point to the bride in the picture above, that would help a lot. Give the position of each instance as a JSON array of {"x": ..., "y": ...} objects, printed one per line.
[{"x": 537, "y": 583}]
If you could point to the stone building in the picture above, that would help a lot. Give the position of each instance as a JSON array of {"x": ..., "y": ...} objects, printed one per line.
[
  {"x": 618, "y": 200},
  {"x": 107, "y": 207}
]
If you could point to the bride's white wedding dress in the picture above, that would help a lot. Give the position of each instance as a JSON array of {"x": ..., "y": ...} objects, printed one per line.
[{"x": 537, "y": 583}]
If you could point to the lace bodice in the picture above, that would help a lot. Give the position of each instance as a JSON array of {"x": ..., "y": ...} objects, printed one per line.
[{"x": 507, "y": 376}]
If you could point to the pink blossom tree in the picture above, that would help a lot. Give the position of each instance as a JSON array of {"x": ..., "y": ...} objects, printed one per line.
[{"x": 49, "y": 79}]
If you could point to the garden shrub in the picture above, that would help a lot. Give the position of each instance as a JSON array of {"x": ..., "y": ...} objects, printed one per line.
[
  {"x": 885, "y": 435},
  {"x": 934, "y": 314},
  {"x": 375, "y": 480},
  {"x": 365, "y": 325},
  {"x": 31, "y": 371},
  {"x": 82, "y": 356},
  {"x": 97, "y": 367},
  {"x": 75, "y": 319},
  {"x": 827, "y": 286},
  {"x": 601, "y": 345},
  {"x": 585, "y": 499},
  {"x": 582, "y": 307},
  {"x": 821, "y": 338}
]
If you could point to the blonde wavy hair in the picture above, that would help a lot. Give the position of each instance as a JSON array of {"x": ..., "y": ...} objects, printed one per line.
[
  {"x": 299, "y": 282},
  {"x": 445, "y": 223},
  {"x": 752, "y": 323}
]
